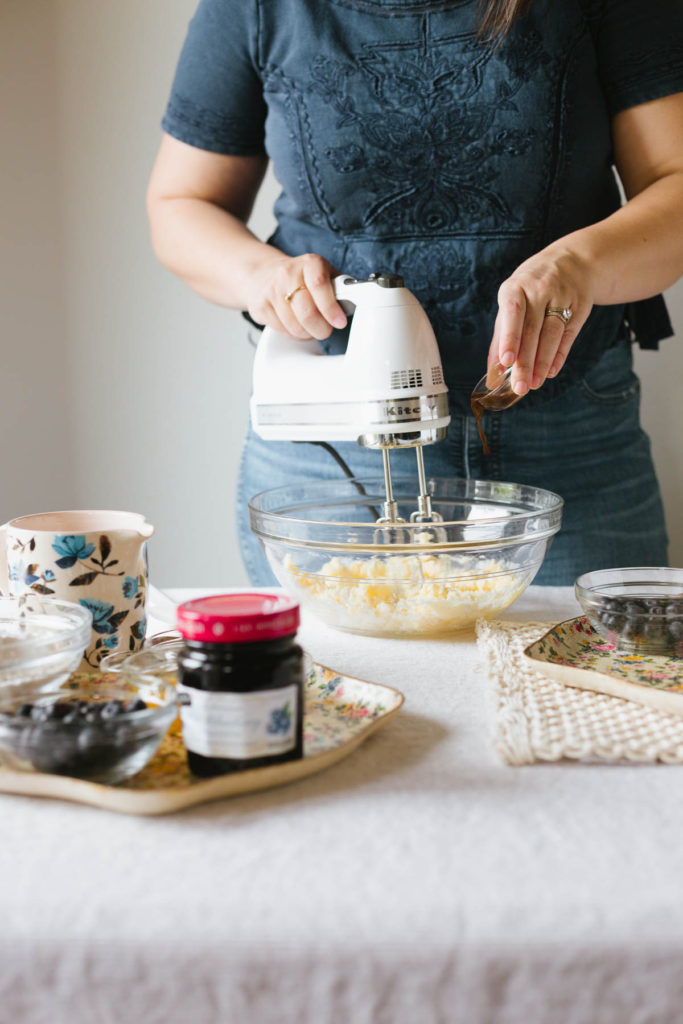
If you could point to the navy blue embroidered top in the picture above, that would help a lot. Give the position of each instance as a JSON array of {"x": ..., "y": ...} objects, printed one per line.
[{"x": 402, "y": 143}]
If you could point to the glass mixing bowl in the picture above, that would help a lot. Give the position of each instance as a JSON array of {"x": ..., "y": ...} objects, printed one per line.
[{"x": 413, "y": 579}]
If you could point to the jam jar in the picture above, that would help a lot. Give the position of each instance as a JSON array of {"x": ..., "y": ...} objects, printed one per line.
[{"x": 240, "y": 682}]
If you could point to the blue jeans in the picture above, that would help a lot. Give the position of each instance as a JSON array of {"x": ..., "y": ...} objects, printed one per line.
[{"x": 587, "y": 445}]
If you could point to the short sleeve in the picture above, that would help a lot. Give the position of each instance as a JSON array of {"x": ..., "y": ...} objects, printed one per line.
[
  {"x": 640, "y": 50},
  {"x": 216, "y": 100}
]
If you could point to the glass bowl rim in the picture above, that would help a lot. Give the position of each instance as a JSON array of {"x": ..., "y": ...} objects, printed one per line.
[
  {"x": 595, "y": 583},
  {"x": 77, "y": 629},
  {"x": 112, "y": 664},
  {"x": 166, "y": 706},
  {"x": 267, "y": 522}
]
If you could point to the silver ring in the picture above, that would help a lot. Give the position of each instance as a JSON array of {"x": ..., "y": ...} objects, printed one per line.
[
  {"x": 290, "y": 295},
  {"x": 563, "y": 312}
]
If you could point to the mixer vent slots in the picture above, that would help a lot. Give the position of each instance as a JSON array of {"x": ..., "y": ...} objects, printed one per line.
[
  {"x": 437, "y": 375},
  {"x": 406, "y": 379}
]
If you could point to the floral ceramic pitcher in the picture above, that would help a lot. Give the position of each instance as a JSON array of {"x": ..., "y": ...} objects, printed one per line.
[{"x": 94, "y": 558}]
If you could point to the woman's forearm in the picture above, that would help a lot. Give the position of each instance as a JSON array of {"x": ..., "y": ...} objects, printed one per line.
[
  {"x": 211, "y": 250},
  {"x": 632, "y": 254},
  {"x": 636, "y": 252},
  {"x": 214, "y": 252}
]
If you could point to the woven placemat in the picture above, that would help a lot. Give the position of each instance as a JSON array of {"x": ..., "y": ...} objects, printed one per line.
[{"x": 537, "y": 718}]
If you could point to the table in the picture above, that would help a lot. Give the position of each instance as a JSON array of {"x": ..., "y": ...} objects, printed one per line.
[{"x": 420, "y": 880}]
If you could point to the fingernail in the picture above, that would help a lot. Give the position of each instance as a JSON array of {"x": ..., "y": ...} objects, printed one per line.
[
  {"x": 339, "y": 320},
  {"x": 507, "y": 359},
  {"x": 521, "y": 387},
  {"x": 536, "y": 381}
]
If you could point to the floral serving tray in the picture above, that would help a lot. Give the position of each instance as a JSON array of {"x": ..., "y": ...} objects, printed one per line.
[
  {"x": 575, "y": 654},
  {"x": 339, "y": 713}
]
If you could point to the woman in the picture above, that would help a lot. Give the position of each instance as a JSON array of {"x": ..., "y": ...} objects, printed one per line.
[{"x": 472, "y": 152}]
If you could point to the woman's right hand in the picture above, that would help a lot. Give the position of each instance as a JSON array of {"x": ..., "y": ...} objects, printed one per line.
[{"x": 294, "y": 295}]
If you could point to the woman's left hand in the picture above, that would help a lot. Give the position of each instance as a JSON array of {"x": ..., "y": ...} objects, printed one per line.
[{"x": 525, "y": 334}]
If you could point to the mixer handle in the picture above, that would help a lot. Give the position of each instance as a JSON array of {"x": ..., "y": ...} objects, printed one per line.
[{"x": 370, "y": 291}]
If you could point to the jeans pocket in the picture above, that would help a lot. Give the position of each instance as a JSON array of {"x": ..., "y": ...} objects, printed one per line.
[{"x": 612, "y": 380}]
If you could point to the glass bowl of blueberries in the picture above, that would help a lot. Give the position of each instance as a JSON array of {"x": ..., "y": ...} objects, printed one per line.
[
  {"x": 639, "y": 609},
  {"x": 100, "y": 728}
]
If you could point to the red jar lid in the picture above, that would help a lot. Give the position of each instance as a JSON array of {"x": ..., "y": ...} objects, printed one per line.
[{"x": 238, "y": 618}]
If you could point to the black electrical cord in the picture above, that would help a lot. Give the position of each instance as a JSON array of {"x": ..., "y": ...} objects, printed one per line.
[{"x": 346, "y": 470}]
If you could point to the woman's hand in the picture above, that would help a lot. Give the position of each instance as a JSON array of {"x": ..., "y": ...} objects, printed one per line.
[
  {"x": 294, "y": 295},
  {"x": 524, "y": 334}
]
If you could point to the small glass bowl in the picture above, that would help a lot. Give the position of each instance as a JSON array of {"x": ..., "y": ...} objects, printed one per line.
[
  {"x": 87, "y": 728},
  {"x": 168, "y": 640},
  {"x": 493, "y": 393},
  {"x": 639, "y": 609},
  {"x": 41, "y": 640},
  {"x": 159, "y": 661}
]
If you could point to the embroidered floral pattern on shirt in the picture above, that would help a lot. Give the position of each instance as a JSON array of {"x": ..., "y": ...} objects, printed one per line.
[{"x": 429, "y": 136}]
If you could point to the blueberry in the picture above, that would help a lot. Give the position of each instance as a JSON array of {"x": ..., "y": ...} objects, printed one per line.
[
  {"x": 629, "y": 631},
  {"x": 59, "y": 710},
  {"x": 111, "y": 709},
  {"x": 88, "y": 737},
  {"x": 57, "y": 757},
  {"x": 135, "y": 705},
  {"x": 122, "y": 737},
  {"x": 652, "y": 632},
  {"x": 40, "y": 713},
  {"x": 28, "y": 739}
]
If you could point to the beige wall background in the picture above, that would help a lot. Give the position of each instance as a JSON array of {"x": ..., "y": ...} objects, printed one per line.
[{"x": 118, "y": 387}]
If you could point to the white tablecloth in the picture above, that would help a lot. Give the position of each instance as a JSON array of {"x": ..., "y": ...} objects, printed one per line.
[{"x": 420, "y": 880}]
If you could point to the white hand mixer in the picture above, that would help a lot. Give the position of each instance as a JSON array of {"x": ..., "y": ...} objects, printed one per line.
[{"x": 386, "y": 391}]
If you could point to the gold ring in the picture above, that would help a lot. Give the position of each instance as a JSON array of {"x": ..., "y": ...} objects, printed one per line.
[
  {"x": 290, "y": 295},
  {"x": 564, "y": 312}
]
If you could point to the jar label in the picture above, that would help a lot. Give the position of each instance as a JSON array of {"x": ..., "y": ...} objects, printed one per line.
[{"x": 239, "y": 725}]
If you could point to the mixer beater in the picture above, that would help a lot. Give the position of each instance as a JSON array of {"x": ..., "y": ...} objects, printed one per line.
[
  {"x": 423, "y": 514},
  {"x": 386, "y": 391}
]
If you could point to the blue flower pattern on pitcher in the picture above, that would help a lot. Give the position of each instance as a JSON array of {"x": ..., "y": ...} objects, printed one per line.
[
  {"x": 71, "y": 549},
  {"x": 90, "y": 561},
  {"x": 104, "y": 618},
  {"x": 30, "y": 576},
  {"x": 16, "y": 571}
]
